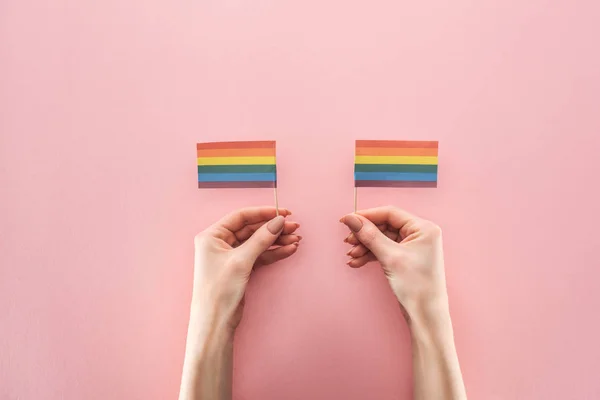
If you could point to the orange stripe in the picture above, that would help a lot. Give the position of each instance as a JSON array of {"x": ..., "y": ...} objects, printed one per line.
[
  {"x": 269, "y": 144},
  {"x": 398, "y": 144},
  {"x": 236, "y": 153},
  {"x": 395, "y": 151}
]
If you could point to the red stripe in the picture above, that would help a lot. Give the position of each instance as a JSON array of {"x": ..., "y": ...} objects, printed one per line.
[
  {"x": 398, "y": 144},
  {"x": 270, "y": 144}
]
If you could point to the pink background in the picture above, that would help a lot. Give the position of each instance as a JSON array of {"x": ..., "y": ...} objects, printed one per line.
[{"x": 102, "y": 102}]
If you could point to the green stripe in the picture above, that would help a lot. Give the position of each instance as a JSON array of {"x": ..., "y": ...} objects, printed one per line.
[
  {"x": 394, "y": 168},
  {"x": 235, "y": 169}
]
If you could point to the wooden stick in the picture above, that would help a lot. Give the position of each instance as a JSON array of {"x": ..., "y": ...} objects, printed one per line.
[
  {"x": 276, "y": 202},
  {"x": 355, "y": 199}
]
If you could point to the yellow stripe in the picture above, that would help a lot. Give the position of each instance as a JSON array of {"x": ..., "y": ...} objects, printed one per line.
[
  {"x": 236, "y": 160},
  {"x": 423, "y": 160}
]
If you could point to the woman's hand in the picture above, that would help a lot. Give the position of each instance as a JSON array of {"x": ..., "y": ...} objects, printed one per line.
[
  {"x": 227, "y": 252},
  {"x": 409, "y": 250}
]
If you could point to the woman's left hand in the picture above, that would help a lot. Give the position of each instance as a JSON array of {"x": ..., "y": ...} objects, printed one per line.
[{"x": 226, "y": 254}]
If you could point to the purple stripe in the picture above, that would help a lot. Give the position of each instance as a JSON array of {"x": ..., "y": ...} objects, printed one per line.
[
  {"x": 218, "y": 185},
  {"x": 405, "y": 184}
]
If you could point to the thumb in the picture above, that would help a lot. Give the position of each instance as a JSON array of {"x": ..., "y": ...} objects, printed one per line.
[
  {"x": 368, "y": 234},
  {"x": 263, "y": 238}
]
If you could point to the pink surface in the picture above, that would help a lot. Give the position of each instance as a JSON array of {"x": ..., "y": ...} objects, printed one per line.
[{"x": 101, "y": 104}]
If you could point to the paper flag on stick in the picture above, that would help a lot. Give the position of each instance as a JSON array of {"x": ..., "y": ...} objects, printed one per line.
[
  {"x": 236, "y": 165},
  {"x": 395, "y": 163}
]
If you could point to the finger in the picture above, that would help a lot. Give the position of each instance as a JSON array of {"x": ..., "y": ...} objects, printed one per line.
[
  {"x": 247, "y": 231},
  {"x": 368, "y": 235},
  {"x": 290, "y": 227},
  {"x": 236, "y": 220},
  {"x": 271, "y": 256},
  {"x": 393, "y": 216},
  {"x": 357, "y": 251},
  {"x": 359, "y": 262},
  {"x": 352, "y": 239},
  {"x": 284, "y": 240},
  {"x": 262, "y": 239},
  {"x": 394, "y": 235}
]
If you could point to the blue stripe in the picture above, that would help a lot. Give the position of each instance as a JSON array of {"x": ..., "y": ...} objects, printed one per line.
[
  {"x": 395, "y": 176},
  {"x": 250, "y": 177}
]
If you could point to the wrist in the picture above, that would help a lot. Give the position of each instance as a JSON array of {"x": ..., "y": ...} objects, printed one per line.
[
  {"x": 431, "y": 317},
  {"x": 208, "y": 330}
]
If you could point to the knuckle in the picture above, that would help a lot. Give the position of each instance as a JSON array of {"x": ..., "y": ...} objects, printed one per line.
[
  {"x": 390, "y": 209},
  {"x": 394, "y": 209},
  {"x": 368, "y": 234},
  {"x": 201, "y": 239},
  {"x": 432, "y": 230}
]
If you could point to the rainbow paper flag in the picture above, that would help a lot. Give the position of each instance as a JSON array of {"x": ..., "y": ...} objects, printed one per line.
[
  {"x": 236, "y": 165},
  {"x": 396, "y": 163}
]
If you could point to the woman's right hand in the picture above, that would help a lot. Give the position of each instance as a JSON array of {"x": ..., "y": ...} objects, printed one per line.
[{"x": 410, "y": 251}]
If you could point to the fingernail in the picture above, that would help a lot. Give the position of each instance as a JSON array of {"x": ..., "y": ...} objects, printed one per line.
[
  {"x": 276, "y": 225},
  {"x": 353, "y": 222},
  {"x": 350, "y": 251},
  {"x": 346, "y": 240},
  {"x": 299, "y": 238}
]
